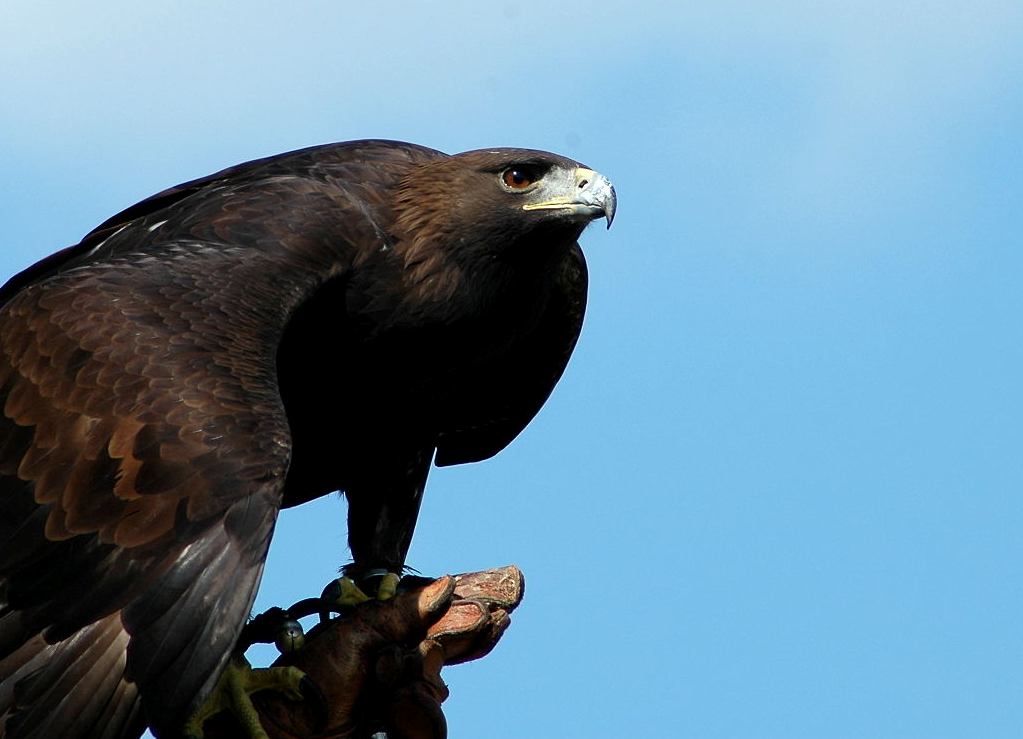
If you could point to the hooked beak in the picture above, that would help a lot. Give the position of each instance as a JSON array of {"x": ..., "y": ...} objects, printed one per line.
[{"x": 592, "y": 195}]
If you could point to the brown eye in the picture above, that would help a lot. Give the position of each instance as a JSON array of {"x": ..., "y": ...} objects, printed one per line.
[{"x": 518, "y": 178}]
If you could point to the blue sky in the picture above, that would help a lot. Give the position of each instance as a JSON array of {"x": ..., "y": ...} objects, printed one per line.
[{"x": 778, "y": 491}]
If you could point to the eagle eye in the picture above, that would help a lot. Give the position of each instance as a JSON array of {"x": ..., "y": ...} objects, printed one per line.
[{"x": 519, "y": 177}]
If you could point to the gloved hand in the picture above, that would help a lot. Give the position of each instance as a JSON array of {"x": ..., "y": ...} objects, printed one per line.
[{"x": 378, "y": 667}]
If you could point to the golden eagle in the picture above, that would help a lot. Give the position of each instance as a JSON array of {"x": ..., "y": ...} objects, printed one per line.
[{"x": 334, "y": 318}]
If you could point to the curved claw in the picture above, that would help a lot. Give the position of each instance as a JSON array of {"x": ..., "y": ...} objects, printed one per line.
[
  {"x": 237, "y": 682},
  {"x": 343, "y": 593},
  {"x": 338, "y": 595},
  {"x": 312, "y": 694}
]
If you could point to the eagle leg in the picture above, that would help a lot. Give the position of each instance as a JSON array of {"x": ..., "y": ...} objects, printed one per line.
[
  {"x": 388, "y": 586},
  {"x": 234, "y": 688},
  {"x": 342, "y": 594},
  {"x": 352, "y": 594}
]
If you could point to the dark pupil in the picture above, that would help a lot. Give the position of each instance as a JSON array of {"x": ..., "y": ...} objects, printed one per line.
[{"x": 518, "y": 178}]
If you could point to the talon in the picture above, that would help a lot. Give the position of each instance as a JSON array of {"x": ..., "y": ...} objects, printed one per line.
[
  {"x": 342, "y": 594},
  {"x": 236, "y": 684},
  {"x": 331, "y": 592},
  {"x": 349, "y": 593},
  {"x": 312, "y": 695},
  {"x": 339, "y": 595}
]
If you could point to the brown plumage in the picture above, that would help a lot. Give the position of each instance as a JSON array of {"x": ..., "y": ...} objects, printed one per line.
[{"x": 329, "y": 319}]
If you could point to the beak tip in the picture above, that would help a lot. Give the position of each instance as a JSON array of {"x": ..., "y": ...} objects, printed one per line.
[{"x": 610, "y": 207}]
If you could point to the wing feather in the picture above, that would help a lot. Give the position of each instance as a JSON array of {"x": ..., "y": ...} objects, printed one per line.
[{"x": 133, "y": 533}]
